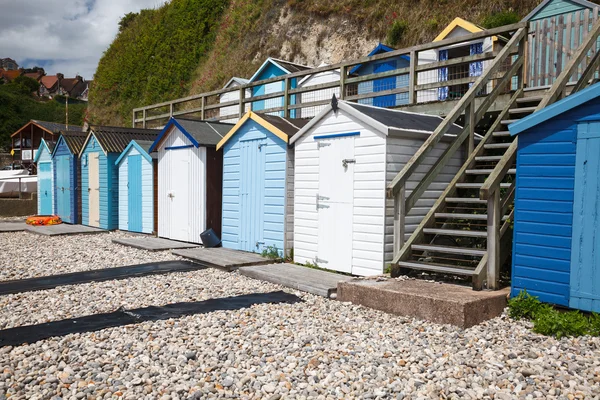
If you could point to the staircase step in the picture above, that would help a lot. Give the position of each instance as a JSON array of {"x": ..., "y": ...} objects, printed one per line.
[
  {"x": 488, "y": 158},
  {"x": 482, "y": 171},
  {"x": 478, "y": 217},
  {"x": 454, "y": 232},
  {"x": 449, "y": 250},
  {"x": 508, "y": 121},
  {"x": 471, "y": 200},
  {"x": 532, "y": 99},
  {"x": 442, "y": 269},
  {"x": 521, "y": 110},
  {"x": 496, "y": 146},
  {"x": 477, "y": 185},
  {"x": 501, "y": 134}
]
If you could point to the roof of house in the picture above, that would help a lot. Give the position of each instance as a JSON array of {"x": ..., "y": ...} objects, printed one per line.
[
  {"x": 53, "y": 127},
  {"x": 568, "y": 103},
  {"x": 74, "y": 140},
  {"x": 380, "y": 48},
  {"x": 583, "y": 3},
  {"x": 73, "y": 86},
  {"x": 199, "y": 132},
  {"x": 383, "y": 119},
  {"x": 11, "y": 74},
  {"x": 143, "y": 147},
  {"x": 33, "y": 75},
  {"x": 286, "y": 66},
  {"x": 323, "y": 64},
  {"x": 115, "y": 139},
  {"x": 457, "y": 23},
  {"x": 283, "y": 128},
  {"x": 235, "y": 79},
  {"x": 49, "y": 81}
]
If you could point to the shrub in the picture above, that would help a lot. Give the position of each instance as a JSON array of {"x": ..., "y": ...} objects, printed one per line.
[
  {"x": 396, "y": 32},
  {"x": 271, "y": 252},
  {"x": 525, "y": 306},
  {"x": 500, "y": 19}
]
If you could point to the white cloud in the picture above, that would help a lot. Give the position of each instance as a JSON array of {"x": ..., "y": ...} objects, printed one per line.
[{"x": 67, "y": 36}]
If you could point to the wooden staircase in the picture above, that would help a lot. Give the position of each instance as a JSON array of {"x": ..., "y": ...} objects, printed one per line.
[{"x": 467, "y": 233}]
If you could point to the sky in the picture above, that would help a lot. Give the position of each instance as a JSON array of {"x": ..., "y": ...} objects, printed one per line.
[{"x": 67, "y": 36}]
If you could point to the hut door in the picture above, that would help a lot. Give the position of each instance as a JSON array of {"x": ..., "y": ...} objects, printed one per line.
[
  {"x": 94, "y": 190},
  {"x": 63, "y": 192},
  {"x": 134, "y": 193},
  {"x": 179, "y": 196},
  {"x": 335, "y": 201},
  {"x": 252, "y": 194},
  {"x": 45, "y": 189},
  {"x": 585, "y": 245}
]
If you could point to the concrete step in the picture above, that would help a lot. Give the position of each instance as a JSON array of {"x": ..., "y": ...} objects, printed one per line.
[
  {"x": 455, "y": 232},
  {"x": 438, "y": 268},
  {"x": 449, "y": 250},
  {"x": 470, "y": 200},
  {"x": 478, "y": 185}
]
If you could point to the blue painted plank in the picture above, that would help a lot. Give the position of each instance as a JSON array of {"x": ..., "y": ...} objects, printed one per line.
[{"x": 134, "y": 193}]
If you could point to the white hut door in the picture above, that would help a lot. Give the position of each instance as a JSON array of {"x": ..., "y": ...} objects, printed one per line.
[
  {"x": 335, "y": 202},
  {"x": 179, "y": 196},
  {"x": 94, "y": 190}
]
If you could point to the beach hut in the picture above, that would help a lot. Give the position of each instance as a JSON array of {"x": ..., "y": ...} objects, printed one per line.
[
  {"x": 258, "y": 183},
  {"x": 99, "y": 175},
  {"x": 190, "y": 173},
  {"x": 556, "y": 237},
  {"x": 136, "y": 187},
  {"x": 45, "y": 179},
  {"x": 233, "y": 111},
  {"x": 344, "y": 159},
  {"x": 65, "y": 162},
  {"x": 316, "y": 80}
]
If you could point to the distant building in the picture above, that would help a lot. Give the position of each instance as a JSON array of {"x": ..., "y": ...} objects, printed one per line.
[
  {"x": 8, "y": 64},
  {"x": 9, "y": 75}
]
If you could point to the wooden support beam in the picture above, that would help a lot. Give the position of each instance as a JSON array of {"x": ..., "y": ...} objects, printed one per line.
[
  {"x": 470, "y": 127},
  {"x": 202, "y": 104},
  {"x": 286, "y": 98},
  {"x": 343, "y": 77},
  {"x": 493, "y": 240},
  {"x": 399, "y": 218},
  {"x": 412, "y": 77},
  {"x": 492, "y": 183},
  {"x": 242, "y": 108}
]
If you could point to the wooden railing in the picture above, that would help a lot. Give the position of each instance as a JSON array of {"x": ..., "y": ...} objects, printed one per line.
[
  {"x": 490, "y": 190},
  {"x": 289, "y": 99},
  {"x": 466, "y": 105}
]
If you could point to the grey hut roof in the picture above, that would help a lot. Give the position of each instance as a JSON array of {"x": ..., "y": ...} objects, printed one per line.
[
  {"x": 402, "y": 119},
  {"x": 146, "y": 145},
  {"x": 114, "y": 139},
  {"x": 290, "y": 66},
  {"x": 206, "y": 133},
  {"x": 74, "y": 140},
  {"x": 51, "y": 146},
  {"x": 51, "y": 126},
  {"x": 287, "y": 125}
]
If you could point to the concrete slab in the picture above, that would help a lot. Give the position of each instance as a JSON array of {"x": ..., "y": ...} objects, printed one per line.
[
  {"x": 12, "y": 226},
  {"x": 321, "y": 283},
  {"x": 154, "y": 244},
  {"x": 440, "y": 303},
  {"x": 219, "y": 257},
  {"x": 64, "y": 229}
]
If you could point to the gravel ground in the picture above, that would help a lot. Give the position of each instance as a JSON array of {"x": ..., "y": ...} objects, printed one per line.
[{"x": 317, "y": 349}]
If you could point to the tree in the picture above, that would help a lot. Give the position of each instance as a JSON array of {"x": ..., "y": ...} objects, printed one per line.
[
  {"x": 127, "y": 20},
  {"x": 26, "y": 84}
]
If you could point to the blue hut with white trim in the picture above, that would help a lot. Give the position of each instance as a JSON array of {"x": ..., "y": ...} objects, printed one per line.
[
  {"x": 67, "y": 180},
  {"x": 99, "y": 173},
  {"x": 557, "y": 223},
  {"x": 258, "y": 183},
  {"x": 45, "y": 179},
  {"x": 136, "y": 187}
]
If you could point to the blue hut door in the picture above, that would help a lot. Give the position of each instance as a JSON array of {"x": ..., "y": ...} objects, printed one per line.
[
  {"x": 63, "y": 185},
  {"x": 252, "y": 194},
  {"x": 94, "y": 189},
  {"x": 134, "y": 192},
  {"x": 379, "y": 85},
  {"x": 585, "y": 246},
  {"x": 45, "y": 189}
]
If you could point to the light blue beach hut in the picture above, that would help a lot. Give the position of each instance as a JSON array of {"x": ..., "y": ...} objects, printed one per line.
[
  {"x": 45, "y": 180},
  {"x": 67, "y": 204}
]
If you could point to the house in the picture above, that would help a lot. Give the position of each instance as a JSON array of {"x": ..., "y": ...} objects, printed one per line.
[
  {"x": 190, "y": 173},
  {"x": 27, "y": 139},
  {"x": 556, "y": 220},
  {"x": 45, "y": 178},
  {"x": 9, "y": 75},
  {"x": 9, "y": 64},
  {"x": 37, "y": 75},
  {"x": 272, "y": 68},
  {"x": 137, "y": 185},
  {"x": 50, "y": 85},
  {"x": 72, "y": 87},
  {"x": 67, "y": 177},
  {"x": 234, "y": 95},
  {"x": 99, "y": 173},
  {"x": 382, "y": 84},
  {"x": 345, "y": 158},
  {"x": 86, "y": 92},
  {"x": 258, "y": 185},
  {"x": 318, "y": 94}
]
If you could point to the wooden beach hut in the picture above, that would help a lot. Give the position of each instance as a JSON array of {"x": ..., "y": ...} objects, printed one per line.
[
  {"x": 258, "y": 183},
  {"x": 136, "y": 187},
  {"x": 99, "y": 174},
  {"x": 65, "y": 162},
  {"x": 45, "y": 178},
  {"x": 189, "y": 178},
  {"x": 344, "y": 160},
  {"x": 556, "y": 237}
]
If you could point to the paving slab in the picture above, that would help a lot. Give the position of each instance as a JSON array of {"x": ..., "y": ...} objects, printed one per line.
[
  {"x": 154, "y": 244},
  {"x": 219, "y": 257},
  {"x": 12, "y": 226},
  {"x": 441, "y": 303},
  {"x": 63, "y": 229},
  {"x": 315, "y": 281}
]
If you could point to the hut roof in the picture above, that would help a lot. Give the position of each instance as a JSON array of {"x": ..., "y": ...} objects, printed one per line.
[
  {"x": 199, "y": 132},
  {"x": 74, "y": 140},
  {"x": 115, "y": 139}
]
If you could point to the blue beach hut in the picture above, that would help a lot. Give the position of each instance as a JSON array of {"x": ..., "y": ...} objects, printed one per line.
[
  {"x": 99, "y": 173},
  {"x": 45, "y": 180},
  {"x": 258, "y": 186},
  {"x": 556, "y": 222},
  {"x": 66, "y": 176},
  {"x": 136, "y": 187}
]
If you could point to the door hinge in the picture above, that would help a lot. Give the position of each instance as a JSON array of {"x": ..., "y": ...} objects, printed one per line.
[
  {"x": 347, "y": 161},
  {"x": 318, "y": 198},
  {"x": 318, "y": 260},
  {"x": 322, "y": 144}
]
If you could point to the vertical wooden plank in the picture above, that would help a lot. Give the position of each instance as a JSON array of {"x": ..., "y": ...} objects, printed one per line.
[
  {"x": 132, "y": 121},
  {"x": 470, "y": 121},
  {"x": 567, "y": 48},
  {"x": 399, "y": 217},
  {"x": 493, "y": 240},
  {"x": 559, "y": 45},
  {"x": 522, "y": 73},
  {"x": 551, "y": 37},
  {"x": 144, "y": 119},
  {"x": 286, "y": 97},
  {"x": 543, "y": 42},
  {"x": 527, "y": 63},
  {"x": 242, "y": 94},
  {"x": 343, "y": 72},
  {"x": 202, "y": 107},
  {"x": 412, "y": 78},
  {"x": 171, "y": 109},
  {"x": 585, "y": 32}
]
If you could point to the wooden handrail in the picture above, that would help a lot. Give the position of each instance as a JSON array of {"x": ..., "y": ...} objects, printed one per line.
[{"x": 416, "y": 160}]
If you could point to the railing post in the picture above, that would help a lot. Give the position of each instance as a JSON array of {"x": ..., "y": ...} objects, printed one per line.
[
  {"x": 144, "y": 119},
  {"x": 132, "y": 122},
  {"x": 202, "y": 102},
  {"x": 521, "y": 75},
  {"x": 399, "y": 217},
  {"x": 493, "y": 240},
  {"x": 242, "y": 95},
  {"x": 412, "y": 78},
  {"x": 470, "y": 121},
  {"x": 171, "y": 110},
  {"x": 342, "y": 82},
  {"x": 286, "y": 97}
]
